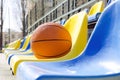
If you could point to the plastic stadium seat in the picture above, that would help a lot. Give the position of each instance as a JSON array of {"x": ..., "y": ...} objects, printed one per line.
[
  {"x": 27, "y": 39},
  {"x": 7, "y": 51},
  {"x": 99, "y": 61},
  {"x": 77, "y": 27},
  {"x": 24, "y": 50},
  {"x": 17, "y": 44},
  {"x": 10, "y": 53},
  {"x": 26, "y": 43},
  {"x": 14, "y": 45},
  {"x": 95, "y": 11},
  {"x": 96, "y": 8},
  {"x": 94, "y": 15}
]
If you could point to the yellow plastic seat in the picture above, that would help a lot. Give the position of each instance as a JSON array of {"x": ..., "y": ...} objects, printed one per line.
[
  {"x": 20, "y": 50},
  {"x": 17, "y": 45},
  {"x": 77, "y": 27},
  {"x": 13, "y": 46},
  {"x": 97, "y": 7}
]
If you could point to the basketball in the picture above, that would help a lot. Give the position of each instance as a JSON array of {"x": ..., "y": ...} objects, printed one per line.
[{"x": 50, "y": 40}]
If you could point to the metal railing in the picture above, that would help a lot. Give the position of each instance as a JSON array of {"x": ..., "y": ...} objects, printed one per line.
[{"x": 62, "y": 11}]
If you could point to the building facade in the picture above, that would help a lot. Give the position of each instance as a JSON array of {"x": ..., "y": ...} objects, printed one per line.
[{"x": 38, "y": 8}]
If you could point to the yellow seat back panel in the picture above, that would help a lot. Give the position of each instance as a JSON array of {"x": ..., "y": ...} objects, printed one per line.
[{"x": 97, "y": 7}]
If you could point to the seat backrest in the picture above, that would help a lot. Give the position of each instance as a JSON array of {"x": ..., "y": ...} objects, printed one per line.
[
  {"x": 26, "y": 43},
  {"x": 96, "y": 8},
  {"x": 106, "y": 34},
  {"x": 17, "y": 44},
  {"x": 77, "y": 27},
  {"x": 22, "y": 42},
  {"x": 14, "y": 44}
]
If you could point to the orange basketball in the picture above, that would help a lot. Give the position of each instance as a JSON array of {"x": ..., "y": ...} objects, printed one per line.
[{"x": 50, "y": 40}]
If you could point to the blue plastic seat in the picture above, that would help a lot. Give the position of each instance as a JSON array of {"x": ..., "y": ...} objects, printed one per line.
[
  {"x": 95, "y": 11},
  {"x": 25, "y": 48},
  {"x": 100, "y": 59},
  {"x": 10, "y": 55}
]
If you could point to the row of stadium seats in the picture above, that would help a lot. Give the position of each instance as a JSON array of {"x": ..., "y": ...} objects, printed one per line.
[
  {"x": 27, "y": 67},
  {"x": 93, "y": 13}
]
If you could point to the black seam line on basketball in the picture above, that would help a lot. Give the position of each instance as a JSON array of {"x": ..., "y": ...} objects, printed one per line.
[{"x": 51, "y": 40}]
